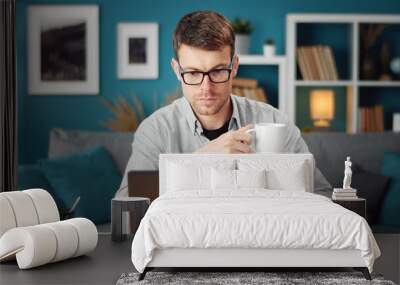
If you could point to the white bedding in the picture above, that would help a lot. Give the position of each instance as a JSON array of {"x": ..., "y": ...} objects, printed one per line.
[{"x": 251, "y": 218}]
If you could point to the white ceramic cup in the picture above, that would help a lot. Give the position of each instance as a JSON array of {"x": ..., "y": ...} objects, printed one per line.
[{"x": 269, "y": 137}]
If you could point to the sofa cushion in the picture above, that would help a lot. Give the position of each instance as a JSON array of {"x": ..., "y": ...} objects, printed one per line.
[
  {"x": 32, "y": 176},
  {"x": 372, "y": 187},
  {"x": 92, "y": 175},
  {"x": 391, "y": 204},
  {"x": 67, "y": 142}
]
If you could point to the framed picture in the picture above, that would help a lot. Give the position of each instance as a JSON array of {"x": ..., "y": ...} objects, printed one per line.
[
  {"x": 138, "y": 50},
  {"x": 63, "y": 49}
]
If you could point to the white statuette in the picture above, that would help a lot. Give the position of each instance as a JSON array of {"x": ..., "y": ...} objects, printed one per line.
[{"x": 347, "y": 174}]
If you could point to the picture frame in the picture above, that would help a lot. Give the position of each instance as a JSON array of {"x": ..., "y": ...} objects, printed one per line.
[
  {"x": 63, "y": 49},
  {"x": 137, "y": 55}
]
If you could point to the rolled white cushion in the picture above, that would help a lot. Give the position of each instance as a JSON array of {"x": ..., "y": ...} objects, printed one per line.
[
  {"x": 23, "y": 208},
  {"x": 87, "y": 235},
  {"x": 7, "y": 218},
  {"x": 40, "y": 244},
  {"x": 33, "y": 246},
  {"x": 67, "y": 240},
  {"x": 46, "y": 208}
]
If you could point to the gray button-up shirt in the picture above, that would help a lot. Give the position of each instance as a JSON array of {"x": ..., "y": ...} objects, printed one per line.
[{"x": 175, "y": 129}]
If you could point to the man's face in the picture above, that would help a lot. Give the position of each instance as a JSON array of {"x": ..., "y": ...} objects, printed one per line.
[{"x": 208, "y": 98}]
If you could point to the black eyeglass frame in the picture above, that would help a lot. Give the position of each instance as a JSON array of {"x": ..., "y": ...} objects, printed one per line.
[{"x": 229, "y": 68}]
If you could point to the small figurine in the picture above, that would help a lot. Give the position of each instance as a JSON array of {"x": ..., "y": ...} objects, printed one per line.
[{"x": 347, "y": 174}]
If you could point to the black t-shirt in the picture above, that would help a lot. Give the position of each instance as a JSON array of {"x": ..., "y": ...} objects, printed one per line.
[{"x": 213, "y": 134}]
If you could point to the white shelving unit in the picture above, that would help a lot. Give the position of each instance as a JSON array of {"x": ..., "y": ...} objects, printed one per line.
[
  {"x": 280, "y": 62},
  {"x": 354, "y": 83}
]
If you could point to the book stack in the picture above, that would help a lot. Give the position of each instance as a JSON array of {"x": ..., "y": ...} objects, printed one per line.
[
  {"x": 344, "y": 194},
  {"x": 371, "y": 119},
  {"x": 248, "y": 88},
  {"x": 317, "y": 63}
]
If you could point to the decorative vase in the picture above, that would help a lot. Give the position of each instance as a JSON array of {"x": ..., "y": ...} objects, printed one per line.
[
  {"x": 395, "y": 67},
  {"x": 269, "y": 50},
  {"x": 242, "y": 43}
]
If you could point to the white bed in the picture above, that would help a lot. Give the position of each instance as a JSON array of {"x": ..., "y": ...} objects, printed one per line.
[{"x": 206, "y": 221}]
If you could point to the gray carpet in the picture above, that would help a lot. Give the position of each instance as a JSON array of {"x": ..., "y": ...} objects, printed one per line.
[{"x": 228, "y": 278}]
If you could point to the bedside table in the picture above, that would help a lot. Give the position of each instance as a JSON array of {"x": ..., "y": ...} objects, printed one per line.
[
  {"x": 137, "y": 205},
  {"x": 357, "y": 205}
]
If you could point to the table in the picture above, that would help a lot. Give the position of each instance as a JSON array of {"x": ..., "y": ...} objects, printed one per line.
[
  {"x": 357, "y": 205},
  {"x": 136, "y": 205}
]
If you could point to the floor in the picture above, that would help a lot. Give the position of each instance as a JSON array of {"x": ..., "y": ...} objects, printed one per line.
[
  {"x": 110, "y": 259},
  {"x": 102, "y": 266}
]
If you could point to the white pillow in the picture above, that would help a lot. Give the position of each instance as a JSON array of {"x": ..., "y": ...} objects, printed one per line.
[
  {"x": 186, "y": 175},
  {"x": 282, "y": 174},
  {"x": 226, "y": 179},
  {"x": 223, "y": 179},
  {"x": 251, "y": 178}
]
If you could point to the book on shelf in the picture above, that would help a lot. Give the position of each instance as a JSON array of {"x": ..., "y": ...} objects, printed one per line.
[
  {"x": 334, "y": 197},
  {"x": 316, "y": 63},
  {"x": 344, "y": 194},
  {"x": 248, "y": 88},
  {"x": 371, "y": 119},
  {"x": 342, "y": 190}
]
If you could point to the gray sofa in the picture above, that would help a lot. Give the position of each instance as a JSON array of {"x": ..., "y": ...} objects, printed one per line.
[
  {"x": 366, "y": 149},
  {"x": 329, "y": 149}
]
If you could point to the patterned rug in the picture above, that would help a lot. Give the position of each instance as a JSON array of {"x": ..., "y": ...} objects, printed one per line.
[{"x": 229, "y": 278}]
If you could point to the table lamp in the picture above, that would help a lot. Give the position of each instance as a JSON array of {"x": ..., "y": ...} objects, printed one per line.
[{"x": 322, "y": 107}]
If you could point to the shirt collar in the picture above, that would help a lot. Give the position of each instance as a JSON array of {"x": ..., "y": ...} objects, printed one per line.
[
  {"x": 189, "y": 115},
  {"x": 195, "y": 124}
]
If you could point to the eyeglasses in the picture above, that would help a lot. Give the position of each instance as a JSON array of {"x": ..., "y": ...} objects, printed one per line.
[{"x": 218, "y": 75}]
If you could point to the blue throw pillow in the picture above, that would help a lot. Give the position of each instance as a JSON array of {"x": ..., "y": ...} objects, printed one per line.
[
  {"x": 390, "y": 212},
  {"x": 92, "y": 175},
  {"x": 32, "y": 176}
]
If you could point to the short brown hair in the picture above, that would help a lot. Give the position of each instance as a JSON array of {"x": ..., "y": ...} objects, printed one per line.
[{"x": 204, "y": 29}]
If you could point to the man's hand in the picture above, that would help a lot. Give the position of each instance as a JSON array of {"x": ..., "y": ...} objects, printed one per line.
[{"x": 231, "y": 142}]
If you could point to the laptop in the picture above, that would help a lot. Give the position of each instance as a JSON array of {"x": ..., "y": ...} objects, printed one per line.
[{"x": 143, "y": 183}]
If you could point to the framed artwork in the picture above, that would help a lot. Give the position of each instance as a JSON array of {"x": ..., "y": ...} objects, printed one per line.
[
  {"x": 137, "y": 51},
  {"x": 63, "y": 49}
]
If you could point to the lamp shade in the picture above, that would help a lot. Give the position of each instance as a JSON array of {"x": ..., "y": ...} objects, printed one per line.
[{"x": 322, "y": 104}]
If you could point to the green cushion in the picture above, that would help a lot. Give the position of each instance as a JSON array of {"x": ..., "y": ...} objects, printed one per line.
[
  {"x": 92, "y": 175},
  {"x": 390, "y": 212}
]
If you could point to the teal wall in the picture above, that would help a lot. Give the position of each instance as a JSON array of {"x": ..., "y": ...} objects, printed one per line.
[{"x": 38, "y": 114}]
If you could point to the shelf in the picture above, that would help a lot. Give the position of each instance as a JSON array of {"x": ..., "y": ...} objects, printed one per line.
[
  {"x": 250, "y": 59},
  {"x": 313, "y": 29},
  {"x": 323, "y": 83},
  {"x": 376, "y": 83}
]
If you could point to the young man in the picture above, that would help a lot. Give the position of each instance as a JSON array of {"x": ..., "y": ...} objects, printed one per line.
[{"x": 208, "y": 118}]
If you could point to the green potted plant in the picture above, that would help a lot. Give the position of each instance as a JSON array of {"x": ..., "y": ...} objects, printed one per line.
[
  {"x": 269, "y": 48},
  {"x": 242, "y": 29}
]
